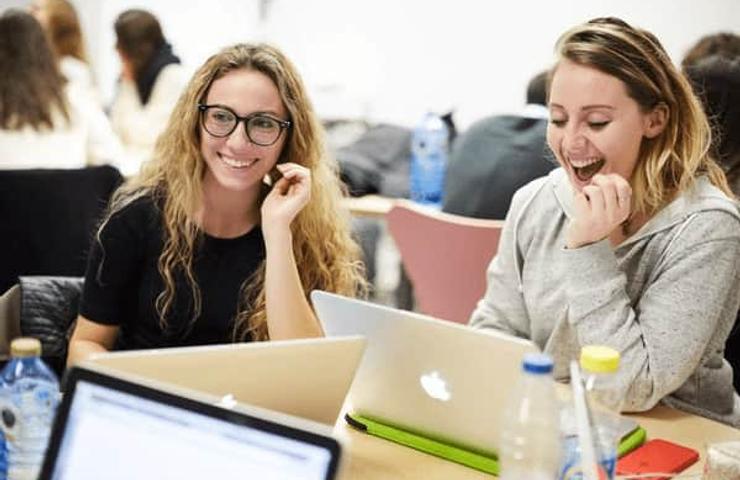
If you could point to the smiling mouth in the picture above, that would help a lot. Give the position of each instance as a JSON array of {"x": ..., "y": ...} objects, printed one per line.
[
  {"x": 586, "y": 169},
  {"x": 239, "y": 164}
]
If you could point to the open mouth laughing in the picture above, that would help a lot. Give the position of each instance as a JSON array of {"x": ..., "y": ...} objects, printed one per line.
[{"x": 585, "y": 168}]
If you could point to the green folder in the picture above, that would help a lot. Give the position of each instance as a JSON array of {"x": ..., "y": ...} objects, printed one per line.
[{"x": 485, "y": 462}]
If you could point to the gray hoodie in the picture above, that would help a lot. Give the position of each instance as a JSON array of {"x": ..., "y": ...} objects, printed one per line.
[{"x": 666, "y": 298}]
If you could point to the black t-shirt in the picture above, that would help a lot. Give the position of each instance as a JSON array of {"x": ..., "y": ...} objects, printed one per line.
[{"x": 122, "y": 282}]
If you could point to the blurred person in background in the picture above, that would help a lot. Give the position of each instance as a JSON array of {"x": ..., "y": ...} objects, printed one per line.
[
  {"x": 61, "y": 23},
  {"x": 45, "y": 122},
  {"x": 151, "y": 81},
  {"x": 498, "y": 155},
  {"x": 724, "y": 44},
  {"x": 716, "y": 80},
  {"x": 712, "y": 66}
]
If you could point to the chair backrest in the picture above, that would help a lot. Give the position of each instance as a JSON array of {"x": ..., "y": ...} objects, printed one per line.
[
  {"x": 445, "y": 256},
  {"x": 49, "y": 218}
]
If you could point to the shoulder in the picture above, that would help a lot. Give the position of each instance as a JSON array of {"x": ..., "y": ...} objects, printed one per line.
[
  {"x": 538, "y": 196},
  {"x": 703, "y": 213},
  {"x": 172, "y": 75},
  {"x": 137, "y": 215},
  {"x": 82, "y": 104},
  {"x": 75, "y": 70},
  {"x": 711, "y": 226}
]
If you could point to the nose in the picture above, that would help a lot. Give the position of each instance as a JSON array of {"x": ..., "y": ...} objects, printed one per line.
[
  {"x": 574, "y": 140},
  {"x": 238, "y": 139}
]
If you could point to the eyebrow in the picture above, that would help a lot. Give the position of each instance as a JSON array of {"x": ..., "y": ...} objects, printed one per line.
[
  {"x": 586, "y": 108},
  {"x": 257, "y": 112}
]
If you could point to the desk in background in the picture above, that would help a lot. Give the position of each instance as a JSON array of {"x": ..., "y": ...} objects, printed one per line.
[
  {"x": 373, "y": 206},
  {"x": 371, "y": 458}
]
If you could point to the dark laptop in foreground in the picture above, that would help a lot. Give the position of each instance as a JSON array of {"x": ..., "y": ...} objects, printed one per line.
[{"x": 110, "y": 426}]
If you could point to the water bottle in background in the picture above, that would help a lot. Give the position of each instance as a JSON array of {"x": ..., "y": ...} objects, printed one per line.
[
  {"x": 429, "y": 149},
  {"x": 605, "y": 395},
  {"x": 29, "y": 394},
  {"x": 529, "y": 448}
]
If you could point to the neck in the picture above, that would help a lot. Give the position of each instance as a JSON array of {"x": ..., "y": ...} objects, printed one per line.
[{"x": 226, "y": 213}]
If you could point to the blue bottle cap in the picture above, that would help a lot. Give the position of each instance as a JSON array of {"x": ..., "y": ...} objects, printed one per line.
[{"x": 537, "y": 363}]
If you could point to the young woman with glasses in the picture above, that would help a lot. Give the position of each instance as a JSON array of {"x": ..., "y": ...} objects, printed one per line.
[{"x": 235, "y": 220}]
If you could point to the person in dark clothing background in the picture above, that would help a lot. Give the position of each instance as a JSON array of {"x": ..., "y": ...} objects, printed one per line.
[
  {"x": 712, "y": 65},
  {"x": 151, "y": 81},
  {"x": 496, "y": 156}
]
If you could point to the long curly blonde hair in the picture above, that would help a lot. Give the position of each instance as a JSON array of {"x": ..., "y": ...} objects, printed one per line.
[
  {"x": 670, "y": 162},
  {"x": 326, "y": 255}
]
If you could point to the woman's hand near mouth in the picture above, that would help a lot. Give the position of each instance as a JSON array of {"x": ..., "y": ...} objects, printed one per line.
[{"x": 600, "y": 208}]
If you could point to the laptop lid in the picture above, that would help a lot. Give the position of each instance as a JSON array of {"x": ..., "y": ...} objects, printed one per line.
[
  {"x": 432, "y": 377},
  {"x": 111, "y": 427},
  {"x": 307, "y": 378}
]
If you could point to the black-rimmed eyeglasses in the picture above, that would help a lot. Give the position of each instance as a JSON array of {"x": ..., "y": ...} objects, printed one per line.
[{"x": 262, "y": 129}]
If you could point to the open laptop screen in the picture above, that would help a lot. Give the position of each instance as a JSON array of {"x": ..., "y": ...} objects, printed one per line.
[{"x": 138, "y": 432}]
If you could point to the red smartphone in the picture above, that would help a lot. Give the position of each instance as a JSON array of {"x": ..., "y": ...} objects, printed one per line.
[{"x": 657, "y": 456}]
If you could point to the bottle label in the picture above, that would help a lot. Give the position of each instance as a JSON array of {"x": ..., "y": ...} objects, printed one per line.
[{"x": 27, "y": 408}]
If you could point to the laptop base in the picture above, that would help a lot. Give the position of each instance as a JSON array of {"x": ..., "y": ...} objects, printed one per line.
[{"x": 476, "y": 460}]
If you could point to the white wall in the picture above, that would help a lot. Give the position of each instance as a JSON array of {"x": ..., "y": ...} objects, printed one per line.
[
  {"x": 394, "y": 59},
  {"x": 390, "y": 60}
]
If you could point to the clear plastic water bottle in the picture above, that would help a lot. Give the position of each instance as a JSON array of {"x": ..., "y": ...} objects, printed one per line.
[
  {"x": 599, "y": 365},
  {"x": 429, "y": 148},
  {"x": 29, "y": 394},
  {"x": 3, "y": 456},
  {"x": 530, "y": 429}
]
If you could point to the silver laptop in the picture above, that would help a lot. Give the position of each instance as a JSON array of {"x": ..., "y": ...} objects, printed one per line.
[
  {"x": 307, "y": 378},
  {"x": 111, "y": 427},
  {"x": 431, "y": 377}
]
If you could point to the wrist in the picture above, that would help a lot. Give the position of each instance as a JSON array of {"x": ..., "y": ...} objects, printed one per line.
[
  {"x": 277, "y": 236},
  {"x": 573, "y": 240}
]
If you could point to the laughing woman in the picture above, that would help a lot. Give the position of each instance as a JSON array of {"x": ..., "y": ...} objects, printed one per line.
[
  {"x": 635, "y": 241},
  {"x": 236, "y": 219}
]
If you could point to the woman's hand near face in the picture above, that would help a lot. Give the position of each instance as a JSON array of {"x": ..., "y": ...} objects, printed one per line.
[
  {"x": 600, "y": 208},
  {"x": 288, "y": 197}
]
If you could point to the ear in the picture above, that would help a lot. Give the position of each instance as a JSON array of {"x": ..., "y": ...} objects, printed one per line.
[{"x": 656, "y": 120}]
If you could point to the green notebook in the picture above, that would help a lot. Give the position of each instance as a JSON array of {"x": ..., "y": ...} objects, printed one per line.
[{"x": 478, "y": 460}]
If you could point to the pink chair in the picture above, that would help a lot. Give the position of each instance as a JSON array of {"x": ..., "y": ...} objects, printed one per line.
[{"x": 445, "y": 257}]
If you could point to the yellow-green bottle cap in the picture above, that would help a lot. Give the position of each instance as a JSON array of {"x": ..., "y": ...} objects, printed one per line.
[
  {"x": 599, "y": 359},
  {"x": 25, "y": 347}
]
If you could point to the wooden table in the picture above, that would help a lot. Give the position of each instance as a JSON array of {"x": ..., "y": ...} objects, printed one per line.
[
  {"x": 373, "y": 206},
  {"x": 370, "y": 457}
]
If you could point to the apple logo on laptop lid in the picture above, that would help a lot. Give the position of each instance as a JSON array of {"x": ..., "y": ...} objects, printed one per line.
[{"x": 435, "y": 386}]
